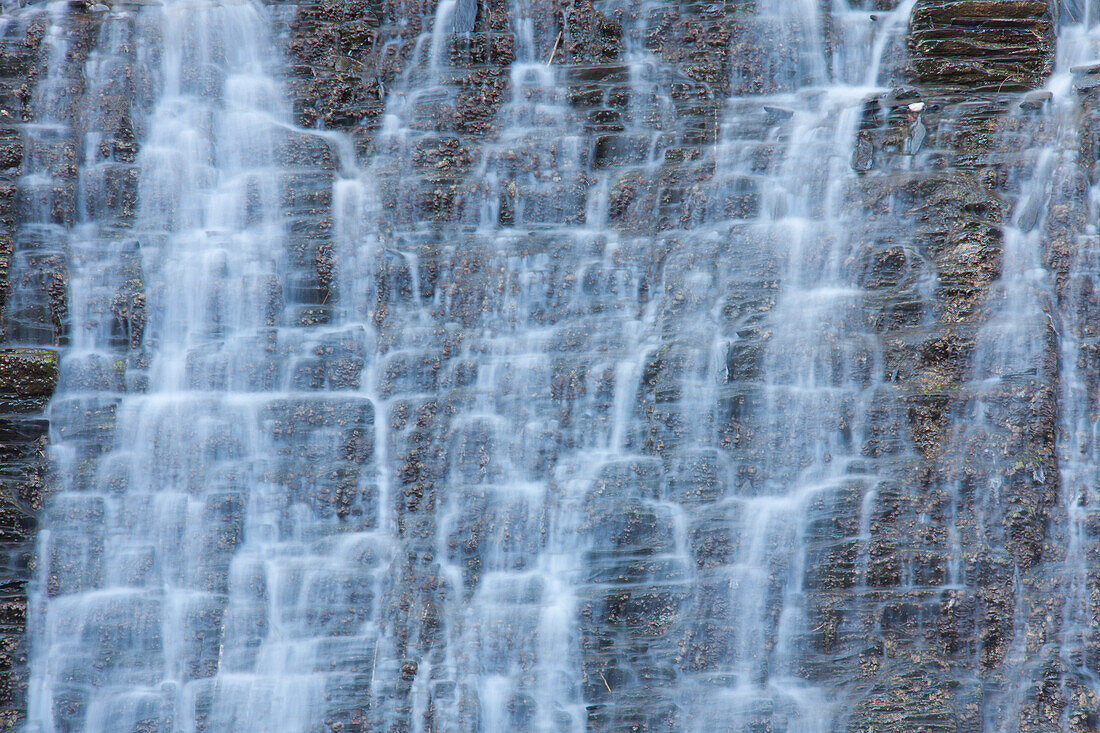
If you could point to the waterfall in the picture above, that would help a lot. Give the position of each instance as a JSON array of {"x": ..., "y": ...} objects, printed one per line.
[
  {"x": 541, "y": 366},
  {"x": 187, "y": 579}
]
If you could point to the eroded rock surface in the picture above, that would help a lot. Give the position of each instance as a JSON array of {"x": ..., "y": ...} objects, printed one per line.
[
  {"x": 27, "y": 379},
  {"x": 983, "y": 44},
  {"x": 552, "y": 279}
]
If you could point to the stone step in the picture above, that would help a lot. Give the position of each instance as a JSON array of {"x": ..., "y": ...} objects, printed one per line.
[{"x": 1007, "y": 44}]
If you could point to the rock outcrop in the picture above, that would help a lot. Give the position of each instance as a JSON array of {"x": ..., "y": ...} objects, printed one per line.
[
  {"x": 929, "y": 585},
  {"x": 41, "y": 198},
  {"x": 967, "y": 545},
  {"x": 977, "y": 45},
  {"x": 27, "y": 379},
  {"x": 930, "y": 622}
]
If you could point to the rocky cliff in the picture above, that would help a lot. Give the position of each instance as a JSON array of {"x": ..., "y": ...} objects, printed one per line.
[
  {"x": 28, "y": 374},
  {"x": 937, "y": 586},
  {"x": 921, "y": 646}
]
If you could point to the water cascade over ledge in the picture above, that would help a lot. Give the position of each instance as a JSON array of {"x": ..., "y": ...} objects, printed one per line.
[{"x": 547, "y": 365}]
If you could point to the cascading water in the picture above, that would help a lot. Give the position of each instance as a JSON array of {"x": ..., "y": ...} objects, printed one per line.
[
  {"x": 177, "y": 561},
  {"x": 561, "y": 399}
]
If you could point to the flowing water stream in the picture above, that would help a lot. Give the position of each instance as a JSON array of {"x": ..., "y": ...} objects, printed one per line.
[{"x": 536, "y": 446}]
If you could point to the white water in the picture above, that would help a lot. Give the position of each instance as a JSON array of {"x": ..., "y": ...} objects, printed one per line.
[
  {"x": 541, "y": 461},
  {"x": 185, "y": 582}
]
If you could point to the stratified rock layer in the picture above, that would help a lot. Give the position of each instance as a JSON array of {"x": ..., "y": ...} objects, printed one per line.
[
  {"x": 927, "y": 589},
  {"x": 27, "y": 379},
  {"x": 983, "y": 44}
]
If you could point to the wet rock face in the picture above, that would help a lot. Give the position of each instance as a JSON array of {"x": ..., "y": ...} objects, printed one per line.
[
  {"x": 20, "y": 67},
  {"x": 920, "y": 618},
  {"x": 981, "y": 44},
  {"x": 28, "y": 373},
  {"x": 27, "y": 380},
  {"x": 339, "y": 76},
  {"x": 963, "y": 510},
  {"x": 925, "y": 657},
  {"x": 28, "y": 377},
  {"x": 34, "y": 285},
  {"x": 592, "y": 36}
]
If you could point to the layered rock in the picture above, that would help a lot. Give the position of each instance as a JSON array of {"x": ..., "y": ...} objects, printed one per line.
[
  {"x": 983, "y": 44},
  {"x": 42, "y": 203},
  {"x": 27, "y": 379},
  {"x": 924, "y": 585},
  {"x": 967, "y": 546}
]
